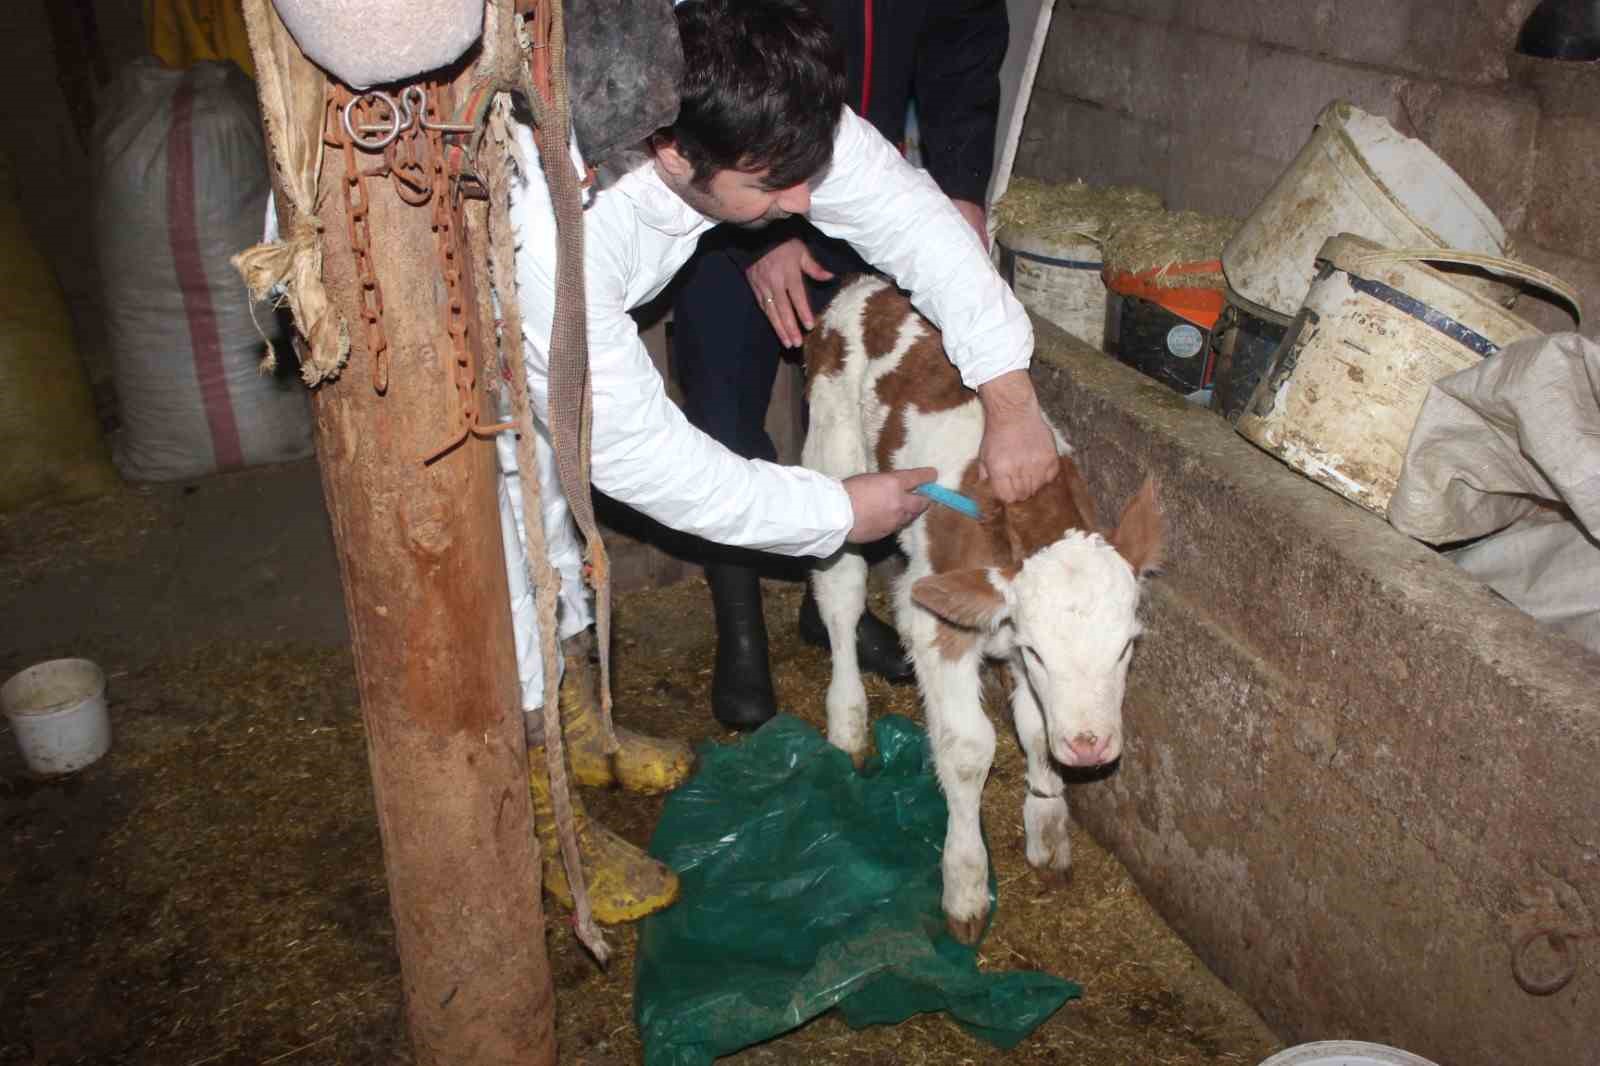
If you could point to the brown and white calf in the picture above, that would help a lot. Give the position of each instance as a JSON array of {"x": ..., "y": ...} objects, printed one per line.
[{"x": 1037, "y": 584}]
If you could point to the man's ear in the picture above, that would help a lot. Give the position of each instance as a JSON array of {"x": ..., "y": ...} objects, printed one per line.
[
  {"x": 974, "y": 599},
  {"x": 670, "y": 158}
]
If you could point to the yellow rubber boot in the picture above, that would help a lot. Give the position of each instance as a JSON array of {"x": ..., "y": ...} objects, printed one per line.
[
  {"x": 624, "y": 883},
  {"x": 641, "y": 764}
]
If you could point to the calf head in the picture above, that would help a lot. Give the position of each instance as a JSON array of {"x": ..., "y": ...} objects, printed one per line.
[{"x": 1072, "y": 611}]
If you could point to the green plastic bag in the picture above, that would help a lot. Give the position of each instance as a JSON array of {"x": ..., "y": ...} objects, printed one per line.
[{"x": 807, "y": 886}]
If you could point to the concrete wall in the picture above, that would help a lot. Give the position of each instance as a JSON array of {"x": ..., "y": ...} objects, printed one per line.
[
  {"x": 1207, "y": 100},
  {"x": 1354, "y": 777}
]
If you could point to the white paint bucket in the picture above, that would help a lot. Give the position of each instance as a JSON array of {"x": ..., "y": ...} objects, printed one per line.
[
  {"x": 1347, "y": 382},
  {"x": 1060, "y": 282},
  {"x": 1357, "y": 174},
  {"x": 1345, "y": 1053},
  {"x": 57, "y": 710}
]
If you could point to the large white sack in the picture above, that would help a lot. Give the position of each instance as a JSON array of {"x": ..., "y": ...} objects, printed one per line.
[
  {"x": 1509, "y": 451},
  {"x": 180, "y": 171}
]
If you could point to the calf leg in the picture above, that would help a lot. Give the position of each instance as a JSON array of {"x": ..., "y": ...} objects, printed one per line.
[
  {"x": 963, "y": 751},
  {"x": 835, "y": 445},
  {"x": 1044, "y": 811},
  {"x": 841, "y": 589}
]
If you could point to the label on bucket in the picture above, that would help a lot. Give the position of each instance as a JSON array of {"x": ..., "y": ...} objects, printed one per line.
[{"x": 1185, "y": 340}]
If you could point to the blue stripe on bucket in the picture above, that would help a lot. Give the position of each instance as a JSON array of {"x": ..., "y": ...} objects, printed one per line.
[
  {"x": 1420, "y": 311},
  {"x": 1050, "y": 260}
]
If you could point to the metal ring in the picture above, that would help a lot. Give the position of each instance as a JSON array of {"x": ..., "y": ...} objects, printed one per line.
[
  {"x": 372, "y": 144},
  {"x": 1547, "y": 986},
  {"x": 767, "y": 299}
]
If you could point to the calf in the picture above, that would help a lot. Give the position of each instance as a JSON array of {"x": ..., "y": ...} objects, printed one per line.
[{"x": 1037, "y": 584}]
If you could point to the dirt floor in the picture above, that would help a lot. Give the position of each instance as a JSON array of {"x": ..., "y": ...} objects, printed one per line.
[{"x": 213, "y": 890}]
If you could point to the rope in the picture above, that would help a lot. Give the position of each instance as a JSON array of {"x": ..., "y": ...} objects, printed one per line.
[
  {"x": 495, "y": 157},
  {"x": 571, "y": 397}
]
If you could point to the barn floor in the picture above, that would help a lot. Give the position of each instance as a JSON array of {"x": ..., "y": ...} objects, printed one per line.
[{"x": 213, "y": 890}]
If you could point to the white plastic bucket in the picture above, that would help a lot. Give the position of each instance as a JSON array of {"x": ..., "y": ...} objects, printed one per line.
[
  {"x": 1347, "y": 382},
  {"x": 1060, "y": 282},
  {"x": 1345, "y": 1053},
  {"x": 57, "y": 710},
  {"x": 1357, "y": 174}
]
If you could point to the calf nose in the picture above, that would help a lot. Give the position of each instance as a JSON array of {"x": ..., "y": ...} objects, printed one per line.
[{"x": 1088, "y": 749}]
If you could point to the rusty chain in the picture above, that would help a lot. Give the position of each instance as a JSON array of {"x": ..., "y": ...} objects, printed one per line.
[
  {"x": 358, "y": 203},
  {"x": 410, "y": 133}
]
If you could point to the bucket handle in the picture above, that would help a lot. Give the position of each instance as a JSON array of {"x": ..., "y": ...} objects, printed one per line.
[{"x": 1492, "y": 263}]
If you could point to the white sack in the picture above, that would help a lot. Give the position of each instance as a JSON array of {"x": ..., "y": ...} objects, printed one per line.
[
  {"x": 180, "y": 173},
  {"x": 1511, "y": 447}
]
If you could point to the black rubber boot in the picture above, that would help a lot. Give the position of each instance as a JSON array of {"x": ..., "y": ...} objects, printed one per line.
[
  {"x": 878, "y": 649},
  {"x": 741, "y": 685}
]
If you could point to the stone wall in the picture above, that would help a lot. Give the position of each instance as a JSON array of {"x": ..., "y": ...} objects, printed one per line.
[{"x": 1207, "y": 100}]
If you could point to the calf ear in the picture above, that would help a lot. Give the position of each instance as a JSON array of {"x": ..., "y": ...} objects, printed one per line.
[
  {"x": 1138, "y": 535},
  {"x": 970, "y": 598}
]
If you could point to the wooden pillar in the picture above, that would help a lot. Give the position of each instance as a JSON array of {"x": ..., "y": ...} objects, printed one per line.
[{"x": 424, "y": 583}]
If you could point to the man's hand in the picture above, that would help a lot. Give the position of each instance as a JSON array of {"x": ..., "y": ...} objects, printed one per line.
[
  {"x": 778, "y": 280},
  {"x": 884, "y": 502},
  {"x": 1018, "y": 454},
  {"x": 976, "y": 217}
]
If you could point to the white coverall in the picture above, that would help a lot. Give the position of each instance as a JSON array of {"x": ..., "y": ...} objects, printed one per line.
[{"x": 637, "y": 234}]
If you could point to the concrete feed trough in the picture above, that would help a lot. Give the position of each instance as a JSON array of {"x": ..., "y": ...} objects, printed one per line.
[{"x": 1356, "y": 781}]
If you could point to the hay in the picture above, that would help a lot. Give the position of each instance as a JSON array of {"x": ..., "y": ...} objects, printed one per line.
[
  {"x": 1072, "y": 212},
  {"x": 216, "y": 888},
  {"x": 1157, "y": 242}
]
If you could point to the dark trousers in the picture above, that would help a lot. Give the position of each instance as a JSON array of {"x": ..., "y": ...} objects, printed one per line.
[{"x": 724, "y": 349}]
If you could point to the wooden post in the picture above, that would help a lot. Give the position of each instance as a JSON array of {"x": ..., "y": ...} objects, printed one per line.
[{"x": 424, "y": 583}]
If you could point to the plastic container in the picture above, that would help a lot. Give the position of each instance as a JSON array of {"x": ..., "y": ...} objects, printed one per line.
[
  {"x": 1241, "y": 346},
  {"x": 57, "y": 710},
  {"x": 1378, "y": 328},
  {"x": 1163, "y": 329},
  {"x": 1060, "y": 282},
  {"x": 1345, "y": 1053},
  {"x": 1357, "y": 174}
]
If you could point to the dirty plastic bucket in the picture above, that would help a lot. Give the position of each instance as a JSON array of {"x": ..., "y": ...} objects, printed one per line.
[
  {"x": 1240, "y": 350},
  {"x": 1345, "y": 1053},
  {"x": 1060, "y": 282},
  {"x": 1357, "y": 174},
  {"x": 1377, "y": 329},
  {"x": 57, "y": 710}
]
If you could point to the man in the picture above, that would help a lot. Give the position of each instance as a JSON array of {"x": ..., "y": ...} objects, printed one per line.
[
  {"x": 762, "y": 135},
  {"x": 727, "y": 345}
]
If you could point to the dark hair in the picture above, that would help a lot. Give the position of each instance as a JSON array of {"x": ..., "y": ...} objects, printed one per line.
[{"x": 763, "y": 88}]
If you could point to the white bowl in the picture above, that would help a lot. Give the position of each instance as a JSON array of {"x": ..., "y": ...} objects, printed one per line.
[{"x": 1345, "y": 1053}]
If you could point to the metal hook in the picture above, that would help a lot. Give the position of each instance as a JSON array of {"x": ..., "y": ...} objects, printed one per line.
[{"x": 412, "y": 107}]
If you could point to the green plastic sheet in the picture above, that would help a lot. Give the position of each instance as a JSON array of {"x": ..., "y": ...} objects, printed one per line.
[{"x": 808, "y": 886}]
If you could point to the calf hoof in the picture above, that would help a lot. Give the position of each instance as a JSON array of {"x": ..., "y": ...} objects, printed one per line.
[
  {"x": 967, "y": 930},
  {"x": 1050, "y": 877}
]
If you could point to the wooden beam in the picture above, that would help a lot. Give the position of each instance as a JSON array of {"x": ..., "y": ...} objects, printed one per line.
[{"x": 424, "y": 583}]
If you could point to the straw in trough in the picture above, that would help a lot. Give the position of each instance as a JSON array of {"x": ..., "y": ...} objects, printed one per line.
[
  {"x": 1159, "y": 241},
  {"x": 1074, "y": 211}
]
